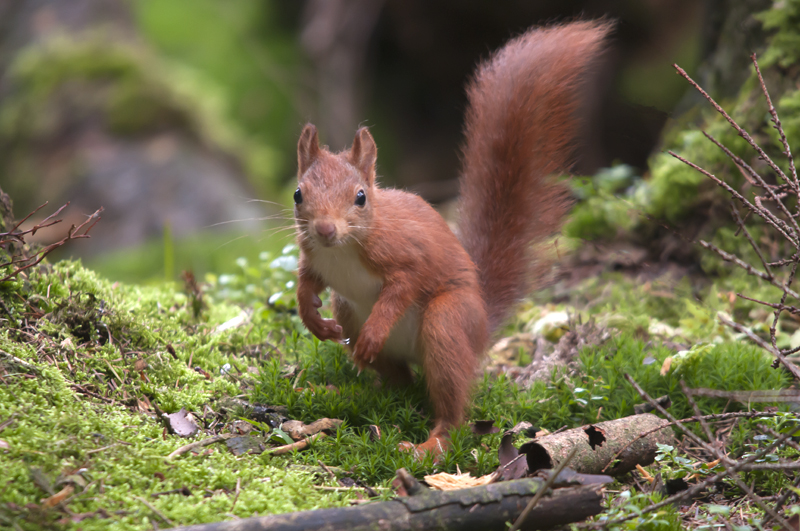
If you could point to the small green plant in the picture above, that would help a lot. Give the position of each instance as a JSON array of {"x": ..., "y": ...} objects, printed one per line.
[
  {"x": 671, "y": 464},
  {"x": 627, "y": 503}
]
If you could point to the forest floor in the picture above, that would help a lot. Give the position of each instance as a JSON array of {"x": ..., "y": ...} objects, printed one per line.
[{"x": 103, "y": 381}]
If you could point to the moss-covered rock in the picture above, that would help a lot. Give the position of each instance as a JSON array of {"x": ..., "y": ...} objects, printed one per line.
[
  {"x": 62, "y": 83},
  {"x": 677, "y": 195}
]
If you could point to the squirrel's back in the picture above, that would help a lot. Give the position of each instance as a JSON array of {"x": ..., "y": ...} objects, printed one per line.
[{"x": 521, "y": 126}]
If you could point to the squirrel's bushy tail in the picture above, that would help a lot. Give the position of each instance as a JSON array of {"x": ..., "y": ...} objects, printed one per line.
[{"x": 522, "y": 125}]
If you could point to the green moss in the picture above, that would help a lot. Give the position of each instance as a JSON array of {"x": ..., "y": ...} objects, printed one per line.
[
  {"x": 682, "y": 196},
  {"x": 86, "y": 334},
  {"x": 120, "y": 453},
  {"x": 784, "y": 48}
]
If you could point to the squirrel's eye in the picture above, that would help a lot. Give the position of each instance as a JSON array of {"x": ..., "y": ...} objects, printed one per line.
[
  {"x": 361, "y": 198},
  {"x": 298, "y": 197}
]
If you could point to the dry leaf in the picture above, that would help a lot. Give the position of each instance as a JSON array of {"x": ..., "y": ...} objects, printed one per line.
[
  {"x": 58, "y": 497},
  {"x": 374, "y": 432},
  {"x": 182, "y": 423},
  {"x": 665, "y": 367},
  {"x": 445, "y": 481}
]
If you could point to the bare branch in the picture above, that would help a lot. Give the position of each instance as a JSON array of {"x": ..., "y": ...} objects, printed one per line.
[
  {"x": 787, "y": 151},
  {"x": 791, "y": 367},
  {"x": 763, "y": 213},
  {"x": 759, "y": 181},
  {"x": 726, "y": 462},
  {"x": 739, "y": 130},
  {"x": 740, "y": 223},
  {"x": 81, "y": 231},
  {"x": 728, "y": 257}
]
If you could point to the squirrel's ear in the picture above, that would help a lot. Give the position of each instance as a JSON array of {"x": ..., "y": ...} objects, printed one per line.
[
  {"x": 364, "y": 154},
  {"x": 307, "y": 149}
]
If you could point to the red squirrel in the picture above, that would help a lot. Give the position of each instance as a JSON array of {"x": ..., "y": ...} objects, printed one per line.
[{"x": 404, "y": 288}]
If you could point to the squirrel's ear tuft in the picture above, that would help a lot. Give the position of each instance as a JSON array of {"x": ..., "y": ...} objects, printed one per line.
[
  {"x": 307, "y": 149},
  {"x": 364, "y": 154}
]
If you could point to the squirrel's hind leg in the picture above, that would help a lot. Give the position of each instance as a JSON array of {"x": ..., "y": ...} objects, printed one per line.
[
  {"x": 453, "y": 334},
  {"x": 393, "y": 373}
]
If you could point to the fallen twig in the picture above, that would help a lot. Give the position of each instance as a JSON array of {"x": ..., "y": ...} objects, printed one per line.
[
  {"x": 10, "y": 358},
  {"x": 484, "y": 508},
  {"x": 747, "y": 397},
  {"x": 299, "y": 445},
  {"x": 155, "y": 511},
  {"x": 726, "y": 462},
  {"x": 199, "y": 444},
  {"x": 694, "y": 489},
  {"x": 601, "y": 445},
  {"x": 791, "y": 367},
  {"x": 715, "y": 416},
  {"x": 540, "y": 492}
]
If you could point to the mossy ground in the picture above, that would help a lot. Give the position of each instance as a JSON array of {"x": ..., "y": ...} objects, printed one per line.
[{"x": 85, "y": 335}]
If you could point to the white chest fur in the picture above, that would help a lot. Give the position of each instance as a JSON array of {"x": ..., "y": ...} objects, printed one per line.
[{"x": 341, "y": 269}]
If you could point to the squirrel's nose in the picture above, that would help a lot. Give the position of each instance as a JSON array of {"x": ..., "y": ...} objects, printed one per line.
[{"x": 326, "y": 229}]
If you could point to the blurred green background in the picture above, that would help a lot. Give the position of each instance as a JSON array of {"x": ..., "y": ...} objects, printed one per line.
[{"x": 180, "y": 117}]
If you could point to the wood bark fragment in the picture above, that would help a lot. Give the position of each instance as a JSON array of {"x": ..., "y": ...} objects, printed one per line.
[
  {"x": 297, "y": 430},
  {"x": 483, "y": 508},
  {"x": 299, "y": 445},
  {"x": 599, "y": 443}
]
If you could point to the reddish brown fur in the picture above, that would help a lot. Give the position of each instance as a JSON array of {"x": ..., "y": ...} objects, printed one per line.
[
  {"x": 521, "y": 126},
  {"x": 404, "y": 289}
]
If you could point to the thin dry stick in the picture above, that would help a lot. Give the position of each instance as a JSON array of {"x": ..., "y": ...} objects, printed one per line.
[
  {"x": 19, "y": 362},
  {"x": 780, "y": 465},
  {"x": 299, "y": 445},
  {"x": 786, "y": 261},
  {"x": 12, "y": 233},
  {"x": 73, "y": 234},
  {"x": 746, "y": 397},
  {"x": 199, "y": 444},
  {"x": 736, "y": 126},
  {"x": 713, "y": 449},
  {"x": 763, "y": 213},
  {"x": 755, "y": 175},
  {"x": 787, "y": 492},
  {"x": 738, "y": 219},
  {"x": 748, "y": 268},
  {"x": 156, "y": 511},
  {"x": 689, "y": 433},
  {"x": 784, "y": 307},
  {"x": 238, "y": 490},
  {"x": 791, "y": 367},
  {"x": 773, "y": 329},
  {"x": 777, "y": 122},
  {"x": 542, "y": 489},
  {"x": 780, "y": 501},
  {"x": 695, "y": 489},
  {"x": 772, "y": 432},
  {"x": 328, "y": 470}
]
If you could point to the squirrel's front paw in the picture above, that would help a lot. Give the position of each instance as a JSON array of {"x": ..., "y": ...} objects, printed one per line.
[
  {"x": 323, "y": 328},
  {"x": 366, "y": 351}
]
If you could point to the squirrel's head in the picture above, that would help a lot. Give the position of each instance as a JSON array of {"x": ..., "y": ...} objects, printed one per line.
[{"x": 333, "y": 200}]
